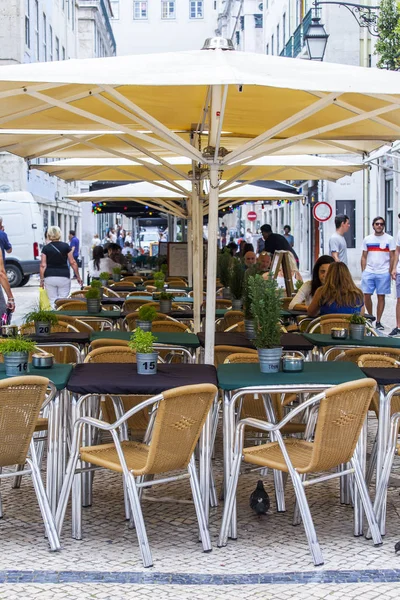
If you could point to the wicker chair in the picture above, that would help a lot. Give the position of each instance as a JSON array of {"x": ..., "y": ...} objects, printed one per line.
[
  {"x": 147, "y": 294},
  {"x": 62, "y": 326},
  {"x": 77, "y": 323},
  {"x": 341, "y": 414},
  {"x": 178, "y": 423},
  {"x": 231, "y": 317},
  {"x": 176, "y": 281},
  {"x": 118, "y": 284},
  {"x": 222, "y": 352},
  {"x": 238, "y": 327},
  {"x": 353, "y": 354},
  {"x": 21, "y": 399},
  {"x": 220, "y": 303},
  {"x": 134, "y": 304},
  {"x": 106, "y": 342},
  {"x": 73, "y": 305},
  {"x": 171, "y": 326},
  {"x": 62, "y": 354},
  {"x": 129, "y": 322},
  {"x": 134, "y": 279}
]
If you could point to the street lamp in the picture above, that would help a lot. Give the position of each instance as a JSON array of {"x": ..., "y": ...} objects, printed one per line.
[
  {"x": 365, "y": 15},
  {"x": 316, "y": 39}
]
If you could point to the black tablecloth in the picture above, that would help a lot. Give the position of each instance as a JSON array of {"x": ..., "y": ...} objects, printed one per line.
[
  {"x": 289, "y": 341},
  {"x": 383, "y": 375},
  {"x": 121, "y": 379},
  {"x": 71, "y": 337}
]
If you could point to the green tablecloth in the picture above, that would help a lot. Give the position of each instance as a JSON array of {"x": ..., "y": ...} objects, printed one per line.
[
  {"x": 58, "y": 374},
  {"x": 181, "y": 299},
  {"x": 187, "y": 340},
  {"x": 239, "y": 375},
  {"x": 106, "y": 314},
  {"x": 319, "y": 339}
]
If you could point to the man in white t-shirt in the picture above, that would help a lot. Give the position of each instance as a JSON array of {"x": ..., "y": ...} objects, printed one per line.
[
  {"x": 396, "y": 277},
  {"x": 377, "y": 263}
]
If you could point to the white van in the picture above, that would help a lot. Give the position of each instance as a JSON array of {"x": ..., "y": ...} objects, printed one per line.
[{"x": 24, "y": 226}]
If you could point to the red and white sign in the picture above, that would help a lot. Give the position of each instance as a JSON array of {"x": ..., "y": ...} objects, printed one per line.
[
  {"x": 252, "y": 216},
  {"x": 322, "y": 211}
]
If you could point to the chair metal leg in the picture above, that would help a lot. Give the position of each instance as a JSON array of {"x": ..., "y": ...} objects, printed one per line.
[
  {"x": 139, "y": 521},
  {"x": 1, "y": 502},
  {"x": 18, "y": 478},
  {"x": 371, "y": 463},
  {"x": 66, "y": 488},
  {"x": 296, "y": 514},
  {"x": 365, "y": 499},
  {"x": 307, "y": 518},
  {"x": 44, "y": 506},
  {"x": 200, "y": 512},
  {"x": 230, "y": 499},
  {"x": 77, "y": 493}
]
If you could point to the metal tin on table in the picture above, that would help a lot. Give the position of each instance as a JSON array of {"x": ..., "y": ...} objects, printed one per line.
[
  {"x": 292, "y": 364},
  {"x": 339, "y": 333},
  {"x": 42, "y": 360}
]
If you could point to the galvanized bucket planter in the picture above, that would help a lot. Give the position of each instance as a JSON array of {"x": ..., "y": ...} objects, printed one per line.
[
  {"x": 16, "y": 363},
  {"x": 226, "y": 293},
  {"x": 357, "y": 332},
  {"x": 249, "y": 330},
  {"x": 165, "y": 306},
  {"x": 146, "y": 363},
  {"x": 270, "y": 359},
  {"x": 104, "y": 282},
  {"x": 42, "y": 328},
  {"x": 93, "y": 305},
  {"x": 144, "y": 325},
  {"x": 116, "y": 277},
  {"x": 237, "y": 304}
]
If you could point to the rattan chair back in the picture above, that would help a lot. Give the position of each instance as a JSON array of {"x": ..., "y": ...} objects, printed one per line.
[
  {"x": 179, "y": 420},
  {"x": 21, "y": 399},
  {"x": 381, "y": 361},
  {"x": 61, "y": 326},
  {"x": 124, "y": 283},
  {"x": 134, "y": 279},
  {"x": 111, "y": 354},
  {"x": 106, "y": 343},
  {"x": 77, "y": 323},
  {"x": 222, "y": 352},
  {"x": 335, "y": 321},
  {"x": 73, "y": 305},
  {"x": 231, "y": 317},
  {"x": 135, "y": 303},
  {"x": 354, "y": 354},
  {"x": 147, "y": 294},
  {"x": 78, "y": 294},
  {"x": 169, "y": 326}
]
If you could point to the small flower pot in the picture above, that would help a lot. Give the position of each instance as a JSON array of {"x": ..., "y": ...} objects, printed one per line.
[
  {"x": 270, "y": 359},
  {"x": 144, "y": 325},
  {"x": 104, "y": 282},
  {"x": 249, "y": 330},
  {"x": 357, "y": 332},
  {"x": 116, "y": 277},
  {"x": 146, "y": 363},
  {"x": 165, "y": 306},
  {"x": 237, "y": 304},
  {"x": 16, "y": 363},
  {"x": 93, "y": 305},
  {"x": 42, "y": 328},
  {"x": 226, "y": 293}
]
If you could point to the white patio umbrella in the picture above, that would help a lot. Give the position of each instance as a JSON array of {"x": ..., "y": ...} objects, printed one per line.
[{"x": 153, "y": 98}]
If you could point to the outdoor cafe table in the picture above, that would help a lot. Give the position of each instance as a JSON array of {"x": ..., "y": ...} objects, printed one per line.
[
  {"x": 321, "y": 341},
  {"x": 56, "y": 442},
  {"x": 290, "y": 341},
  {"x": 62, "y": 339},
  {"x": 120, "y": 379},
  {"x": 112, "y": 315},
  {"x": 383, "y": 377},
  {"x": 176, "y": 299},
  {"x": 106, "y": 301},
  {"x": 238, "y": 379}
]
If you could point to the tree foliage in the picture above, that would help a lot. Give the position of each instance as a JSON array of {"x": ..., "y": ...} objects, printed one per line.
[{"x": 388, "y": 44}]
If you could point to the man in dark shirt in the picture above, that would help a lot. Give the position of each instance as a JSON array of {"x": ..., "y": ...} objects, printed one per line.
[
  {"x": 4, "y": 242},
  {"x": 74, "y": 245},
  {"x": 275, "y": 241}
]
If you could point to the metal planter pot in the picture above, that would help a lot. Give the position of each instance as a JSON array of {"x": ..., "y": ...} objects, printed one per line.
[
  {"x": 144, "y": 325},
  {"x": 165, "y": 306},
  {"x": 93, "y": 305},
  {"x": 42, "y": 328},
  {"x": 357, "y": 332},
  {"x": 270, "y": 359},
  {"x": 226, "y": 293},
  {"x": 249, "y": 329},
  {"x": 104, "y": 282},
  {"x": 237, "y": 304},
  {"x": 146, "y": 363},
  {"x": 116, "y": 277},
  {"x": 16, "y": 363}
]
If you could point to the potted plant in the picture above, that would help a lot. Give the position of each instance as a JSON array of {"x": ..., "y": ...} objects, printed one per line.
[
  {"x": 43, "y": 320},
  {"x": 16, "y": 355},
  {"x": 357, "y": 326},
  {"x": 146, "y": 315},
  {"x": 248, "y": 315},
  {"x": 266, "y": 306},
  {"x": 224, "y": 271},
  {"x": 165, "y": 302},
  {"x": 237, "y": 283},
  {"x": 159, "y": 279},
  {"x": 93, "y": 300},
  {"x": 104, "y": 277},
  {"x": 116, "y": 274},
  {"x": 146, "y": 358}
]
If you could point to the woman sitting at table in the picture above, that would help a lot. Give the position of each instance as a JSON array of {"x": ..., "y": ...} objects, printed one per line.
[
  {"x": 338, "y": 295},
  {"x": 306, "y": 293},
  {"x": 101, "y": 263}
]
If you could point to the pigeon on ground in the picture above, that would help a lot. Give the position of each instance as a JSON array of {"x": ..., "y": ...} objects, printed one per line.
[
  {"x": 397, "y": 547},
  {"x": 259, "y": 499}
]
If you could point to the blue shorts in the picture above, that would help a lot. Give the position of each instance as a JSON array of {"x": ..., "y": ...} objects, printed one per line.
[{"x": 379, "y": 282}]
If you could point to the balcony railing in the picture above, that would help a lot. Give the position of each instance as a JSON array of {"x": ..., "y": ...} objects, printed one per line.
[
  {"x": 108, "y": 25},
  {"x": 295, "y": 43}
]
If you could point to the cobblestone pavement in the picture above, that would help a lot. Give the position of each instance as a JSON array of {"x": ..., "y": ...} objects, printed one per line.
[{"x": 270, "y": 559}]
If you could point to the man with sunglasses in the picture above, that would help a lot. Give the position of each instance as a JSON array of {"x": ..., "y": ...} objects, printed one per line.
[{"x": 377, "y": 262}]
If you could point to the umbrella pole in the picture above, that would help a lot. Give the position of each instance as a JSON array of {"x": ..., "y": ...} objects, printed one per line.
[
  {"x": 197, "y": 275},
  {"x": 189, "y": 242},
  {"x": 211, "y": 264}
]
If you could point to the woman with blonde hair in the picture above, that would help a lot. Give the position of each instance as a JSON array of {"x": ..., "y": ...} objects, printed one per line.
[
  {"x": 338, "y": 295},
  {"x": 54, "y": 268}
]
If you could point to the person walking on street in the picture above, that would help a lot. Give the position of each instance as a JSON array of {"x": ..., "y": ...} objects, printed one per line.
[
  {"x": 337, "y": 243},
  {"x": 4, "y": 242},
  {"x": 222, "y": 232},
  {"x": 74, "y": 246},
  {"x": 275, "y": 241},
  {"x": 377, "y": 263},
  {"x": 396, "y": 277},
  {"x": 288, "y": 236}
]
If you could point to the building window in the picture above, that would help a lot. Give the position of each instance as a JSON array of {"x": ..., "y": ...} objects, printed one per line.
[
  {"x": 44, "y": 37},
  {"x": 27, "y": 23},
  {"x": 242, "y": 23},
  {"x": 168, "y": 9},
  {"x": 140, "y": 10},
  {"x": 73, "y": 14},
  {"x": 63, "y": 53},
  {"x": 196, "y": 9},
  {"x": 284, "y": 28},
  {"x": 37, "y": 29},
  {"x": 57, "y": 48},
  {"x": 258, "y": 21},
  {"x": 272, "y": 44},
  {"x": 389, "y": 206},
  {"x": 278, "y": 40},
  {"x": 267, "y": 49},
  {"x": 237, "y": 34},
  {"x": 115, "y": 9},
  {"x": 51, "y": 42}
]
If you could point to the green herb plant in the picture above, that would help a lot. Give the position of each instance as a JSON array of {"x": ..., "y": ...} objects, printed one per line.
[
  {"x": 237, "y": 279},
  {"x": 43, "y": 316},
  {"x": 16, "y": 344},
  {"x": 165, "y": 296},
  {"x": 298, "y": 284},
  {"x": 225, "y": 268},
  {"x": 93, "y": 293},
  {"x": 147, "y": 313},
  {"x": 164, "y": 268},
  {"x": 159, "y": 279},
  {"x": 142, "y": 341},
  {"x": 95, "y": 283},
  {"x": 117, "y": 270},
  {"x": 266, "y": 304},
  {"x": 104, "y": 276},
  {"x": 250, "y": 272},
  {"x": 357, "y": 319}
]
